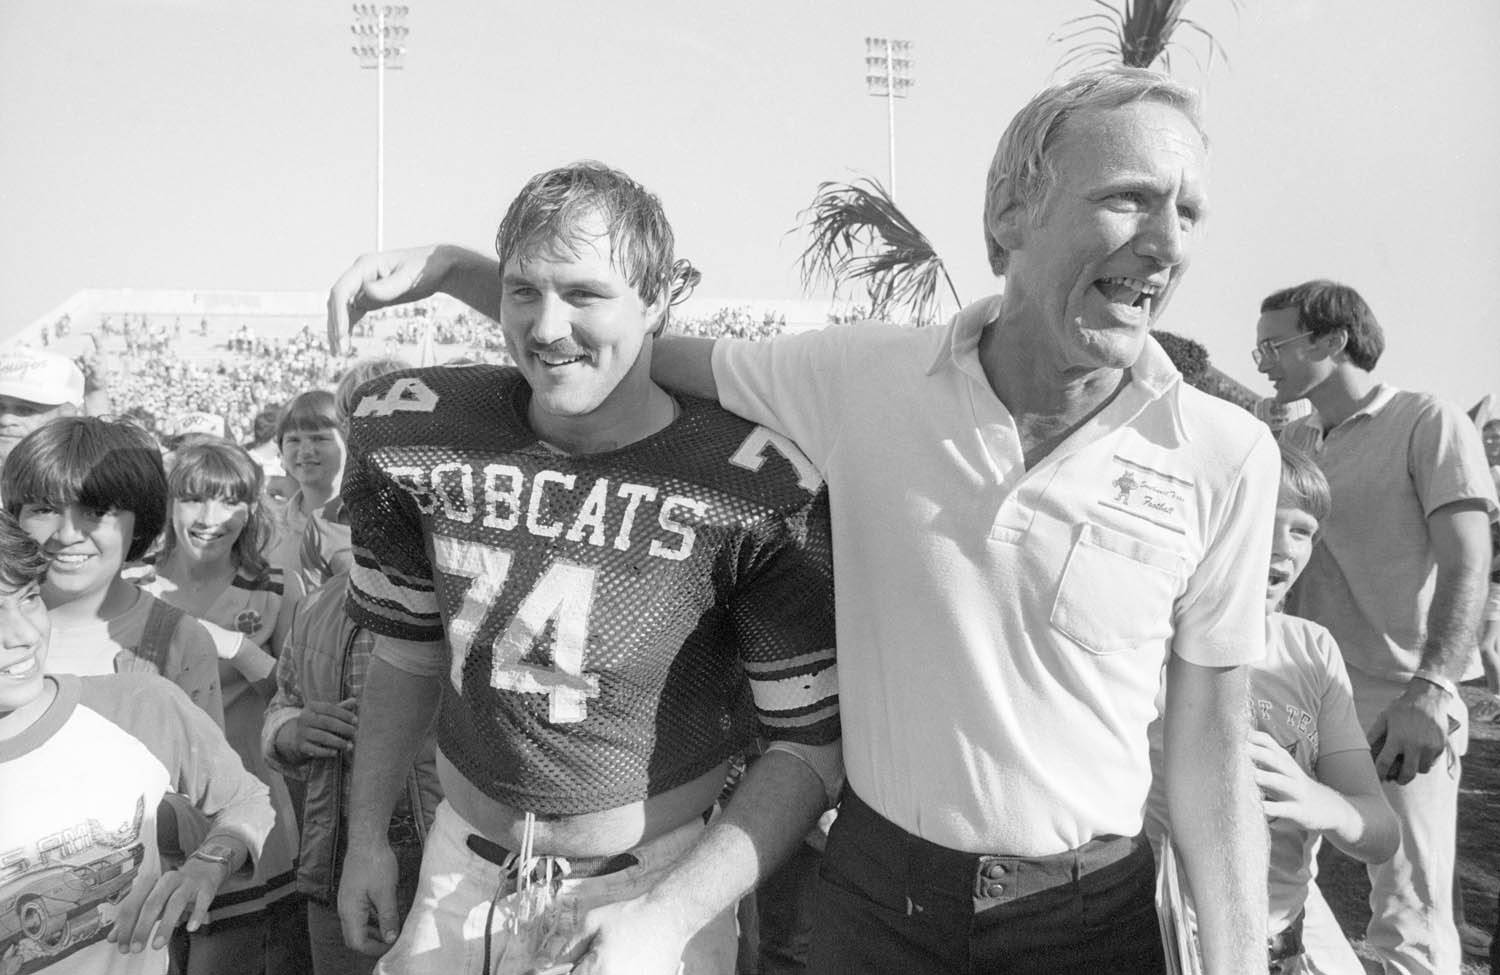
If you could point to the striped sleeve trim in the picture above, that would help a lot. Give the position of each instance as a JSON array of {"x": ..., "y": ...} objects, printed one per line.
[
  {"x": 388, "y": 607},
  {"x": 799, "y": 703},
  {"x": 788, "y": 666}
]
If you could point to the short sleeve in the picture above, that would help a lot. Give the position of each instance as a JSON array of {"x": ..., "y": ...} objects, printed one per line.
[
  {"x": 792, "y": 384},
  {"x": 391, "y": 585},
  {"x": 1220, "y": 617},
  {"x": 199, "y": 759},
  {"x": 783, "y": 622},
  {"x": 1446, "y": 460},
  {"x": 1339, "y": 729}
]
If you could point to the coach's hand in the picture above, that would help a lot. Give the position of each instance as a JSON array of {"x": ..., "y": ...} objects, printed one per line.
[
  {"x": 1415, "y": 728},
  {"x": 367, "y": 898},
  {"x": 377, "y": 280},
  {"x": 634, "y": 937}
]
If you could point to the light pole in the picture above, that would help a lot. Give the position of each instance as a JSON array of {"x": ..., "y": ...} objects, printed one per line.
[
  {"x": 888, "y": 74},
  {"x": 379, "y": 33}
]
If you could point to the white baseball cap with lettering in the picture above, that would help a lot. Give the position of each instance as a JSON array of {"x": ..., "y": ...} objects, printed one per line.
[{"x": 40, "y": 377}]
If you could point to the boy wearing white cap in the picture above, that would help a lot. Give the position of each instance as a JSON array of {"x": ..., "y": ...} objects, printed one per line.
[{"x": 34, "y": 388}]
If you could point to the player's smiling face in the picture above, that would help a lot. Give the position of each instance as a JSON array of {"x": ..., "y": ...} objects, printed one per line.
[
  {"x": 1098, "y": 257},
  {"x": 575, "y": 326},
  {"x": 24, "y": 629}
]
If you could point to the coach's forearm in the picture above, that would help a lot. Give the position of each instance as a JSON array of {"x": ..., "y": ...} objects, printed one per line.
[
  {"x": 1217, "y": 822},
  {"x": 395, "y": 711},
  {"x": 777, "y": 802}
]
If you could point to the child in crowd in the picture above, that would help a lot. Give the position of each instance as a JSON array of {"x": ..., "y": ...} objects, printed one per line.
[
  {"x": 310, "y": 437},
  {"x": 211, "y": 566},
  {"x": 93, "y": 756},
  {"x": 326, "y": 548},
  {"x": 93, "y": 494},
  {"x": 1312, "y": 762}
]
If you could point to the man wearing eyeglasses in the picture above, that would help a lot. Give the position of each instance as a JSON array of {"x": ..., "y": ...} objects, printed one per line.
[{"x": 1399, "y": 578}]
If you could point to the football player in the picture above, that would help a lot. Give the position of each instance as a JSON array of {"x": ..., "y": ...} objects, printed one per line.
[{"x": 603, "y": 591}]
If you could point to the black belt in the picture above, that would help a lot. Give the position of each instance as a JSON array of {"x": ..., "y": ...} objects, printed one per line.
[
  {"x": 988, "y": 878},
  {"x": 578, "y": 867}
]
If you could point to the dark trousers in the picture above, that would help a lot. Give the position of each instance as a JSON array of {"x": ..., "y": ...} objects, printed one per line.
[{"x": 892, "y": 902}]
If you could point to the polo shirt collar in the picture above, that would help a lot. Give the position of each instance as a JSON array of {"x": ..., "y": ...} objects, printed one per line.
[
  {"x": 1152, "y": 377},
  {"x": 1382, "y": 395}
]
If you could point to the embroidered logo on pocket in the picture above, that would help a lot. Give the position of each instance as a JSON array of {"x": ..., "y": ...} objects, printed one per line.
[{"x": 1156, "y": 496}]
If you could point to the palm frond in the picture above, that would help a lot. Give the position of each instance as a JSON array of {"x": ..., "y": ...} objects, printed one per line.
[
  {"x": 859, "y": 236},
  {"x": 1138, "y": 34}
]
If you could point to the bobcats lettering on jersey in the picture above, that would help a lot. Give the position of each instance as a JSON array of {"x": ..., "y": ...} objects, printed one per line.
[
  {"x": 600, "y": 513},
  {"x": 609, "y": 625}
]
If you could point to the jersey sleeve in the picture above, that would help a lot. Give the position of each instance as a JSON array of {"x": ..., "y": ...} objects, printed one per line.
[
  {"x": 1339, "y": 729},
  {"x": 1220, "y": 617},
  {"x": 193, "y": 665},
  {"x": 792, "y": 384},
  {"x": 391, "y": 588},
  {"x": 783, "y": 621},
  {"x": 1446, "y": 461},
  {"x": 195, "y": 753}
]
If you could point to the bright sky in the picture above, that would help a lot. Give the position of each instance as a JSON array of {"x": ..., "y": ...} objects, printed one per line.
[{"x": 224, "y": 144}]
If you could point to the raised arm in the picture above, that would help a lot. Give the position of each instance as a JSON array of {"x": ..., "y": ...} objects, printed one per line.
[{"x": 397, "y": 276}]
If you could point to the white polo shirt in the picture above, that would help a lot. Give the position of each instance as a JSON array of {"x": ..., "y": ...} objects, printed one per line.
[
  {"x": 1001, "y": 631},
  {"x": 1371, "y": 577}
]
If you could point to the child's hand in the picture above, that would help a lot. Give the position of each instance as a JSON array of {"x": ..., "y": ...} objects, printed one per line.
[
  {"x": 324, "y": 730},
  {"x": 1286, "y": 791},
  {"x": 162, "y": 904}
]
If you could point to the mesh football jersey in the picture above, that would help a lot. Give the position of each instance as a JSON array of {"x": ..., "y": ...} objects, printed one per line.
[{"x": 617, "y": 624}]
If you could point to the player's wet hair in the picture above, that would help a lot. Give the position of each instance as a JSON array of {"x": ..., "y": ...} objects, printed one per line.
[
  {"x": 103, "y": 464},
  {"x": 1324, "y": 307},
  {"x": 1024, "y": 163},
  {"x": 556, "y": 207},
  {"x": 224, "y": 471},
  {"x": 1303, "y": 484},
  {"x": 21, "y": 559},
  {"x": 308, "y": 412},
  {"x": 356, "y": 376}
]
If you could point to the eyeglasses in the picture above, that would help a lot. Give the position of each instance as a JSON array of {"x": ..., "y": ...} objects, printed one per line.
[{"x": 1266, "y": 349}]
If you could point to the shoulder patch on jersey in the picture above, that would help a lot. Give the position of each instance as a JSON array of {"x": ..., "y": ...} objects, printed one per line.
[
  {"x": 409, "y": 394},
  {"x": 751, "y": 455}
]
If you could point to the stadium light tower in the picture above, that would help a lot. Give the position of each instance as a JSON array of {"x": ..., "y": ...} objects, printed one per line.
[
  {"x": 379, "y": 43},
  {"x": 888, "y": 74}
]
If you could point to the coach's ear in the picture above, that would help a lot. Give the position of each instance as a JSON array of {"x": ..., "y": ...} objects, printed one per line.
[{"x": 1005, "y": 214}]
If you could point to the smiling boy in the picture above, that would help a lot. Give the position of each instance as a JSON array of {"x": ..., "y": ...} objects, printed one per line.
[{"x": 84, "y": 763}]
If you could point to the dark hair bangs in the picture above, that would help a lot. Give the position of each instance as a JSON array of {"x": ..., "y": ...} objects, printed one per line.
[{"x": 212, "y": 471}]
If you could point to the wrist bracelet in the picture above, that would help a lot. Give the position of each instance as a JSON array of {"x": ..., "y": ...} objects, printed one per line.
[{"x": 1437, "y": 680}]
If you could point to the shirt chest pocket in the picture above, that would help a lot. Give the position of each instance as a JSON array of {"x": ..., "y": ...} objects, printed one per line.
[{"x": 1116, "y": 591}]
